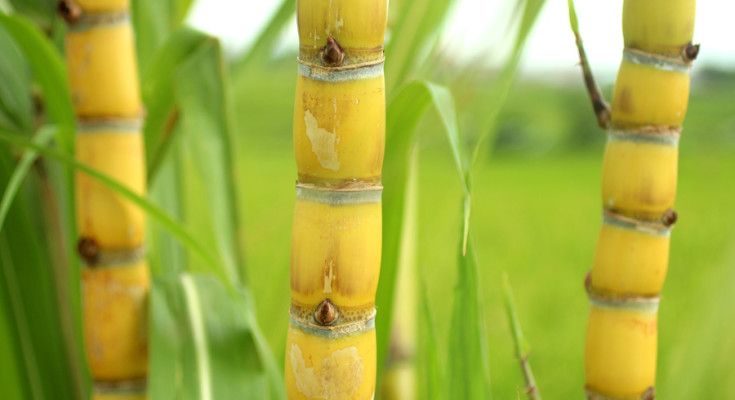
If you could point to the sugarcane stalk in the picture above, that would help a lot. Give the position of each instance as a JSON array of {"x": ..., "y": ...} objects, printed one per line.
[
  {"x": 102, "y": 70},
  {"x": 638, "y": 191},
  {"x": 339, "y": 137}
]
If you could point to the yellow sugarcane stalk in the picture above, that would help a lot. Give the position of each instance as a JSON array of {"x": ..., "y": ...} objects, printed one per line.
[
  {"x": 103, "y": 77},
  {"x": 339, "y": 137},
  {"x": 638, "y": 191}
]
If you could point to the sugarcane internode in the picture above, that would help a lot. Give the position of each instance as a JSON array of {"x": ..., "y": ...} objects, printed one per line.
[
  {"x": 638, "y": 191},
  {"x": 102, "y": 70},
  {"x": 339, "y": 137}
]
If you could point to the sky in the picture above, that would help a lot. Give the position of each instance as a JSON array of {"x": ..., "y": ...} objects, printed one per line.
[{"x": 476, "y": 29}]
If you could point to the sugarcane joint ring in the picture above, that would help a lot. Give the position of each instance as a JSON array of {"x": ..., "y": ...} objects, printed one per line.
[
  {"x": 660, "y": 227},
  {"x": 334, "y": 331},
  {"x": 632, "y": 302},
  {"x": 77, "y": 20},
  {"x": 657, "y": 61},
  {"x": 130, "y": 387},
  {"x": 106, "y": 125},
  {"x": 649, "y": 394},
  {"x": 95, "y": 257},
  {"x": 657, "y": 135},
  {"x": 346, "y": 194},
  {"x": 347, "y": 73}
]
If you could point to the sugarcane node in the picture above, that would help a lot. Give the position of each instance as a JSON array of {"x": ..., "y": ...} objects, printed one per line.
[
  {"x": 332, "y": 54},
  {"x": 670, "y": 217},
  {"x": 70, "y": 11},
  {"x": 326, "y": 313},
  {"x": 88, "y": 250},
  {"x": 690, "y": 52}
]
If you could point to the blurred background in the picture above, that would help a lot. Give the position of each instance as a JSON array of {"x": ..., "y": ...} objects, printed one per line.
[{"x": 536, "y": 196}]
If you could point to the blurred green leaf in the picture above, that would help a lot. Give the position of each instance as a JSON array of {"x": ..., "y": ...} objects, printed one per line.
[
  {"x": 469, "y": 373},
  {"x": 258, "y": 54},
  {"x": 16, "y": 179},
  {"x": 151, "y": 209},
  {"x": 157, "y": 90},
  {"x": 495, "y": 99},
  {"x": 429, "y": 365},
  {"x": 40, "y": 11},
  {"x": 16, "y": 111},
  {"x": 202, "y": 346},
  {"x": 153, "y": 22},
  {"x": 31, "y": 304},
  {"x": 403, "y": 115},
  {"x": 416, "y": 23}
]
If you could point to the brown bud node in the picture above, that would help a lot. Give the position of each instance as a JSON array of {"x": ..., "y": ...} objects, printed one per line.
[
  {"x": 326, "y": 313},
  {"x": 332, "y": 54},
  {"x": 670, "y": 217},
  {"x": 690, "y": 52},
  {"x": 88, "y": 250},
  {"x": 70, "y": 11}
]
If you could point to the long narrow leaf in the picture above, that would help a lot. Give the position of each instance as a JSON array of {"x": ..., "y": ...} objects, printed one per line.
[
  {"x": 151, "y": 209},
  {"x": 213, "y": 354},
  {"x": 403, "y": 115}
]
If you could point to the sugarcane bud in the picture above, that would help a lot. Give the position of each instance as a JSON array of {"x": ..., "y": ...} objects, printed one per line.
[
  {"x": 670, "y": 217},
  {"x": 690, "y": 52},
  {"x": 649, "y": 394},
  {"x": 332, "y": 53},
  {"x": 70, "y": 11},
  {"x": 326, "y": 313},
  {"x": 88, "y": 250}
]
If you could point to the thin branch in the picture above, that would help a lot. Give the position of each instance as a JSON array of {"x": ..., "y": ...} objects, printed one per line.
[{"x": 601, "y": 107}]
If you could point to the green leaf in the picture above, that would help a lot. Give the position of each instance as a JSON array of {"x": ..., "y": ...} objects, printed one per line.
[
  {"x": 16, "y": 111},
  {"x": 469, "y": 373},
  {"x": 495, "y": 99},
  {"x": 259, "y": 53},
  {"x": 416, "y": 23},
  {"x": 431, "y": 376},
  {"x": 403, "y": 115},
  {"x": 40, "y": 11},
  {"x": 32, "y": 306},
  {"x": 157, "y": 90},
  {"x": 202, "y": 344},
  {"x": 16, "y": 179},
  {"x": 151, "y": 209},
  {"x": 153, "y": 22}
]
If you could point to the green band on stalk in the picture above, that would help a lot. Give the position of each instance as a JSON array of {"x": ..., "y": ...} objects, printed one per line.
[
  {"x": 655, "y": 61},
  {"x": 86, "y": 22},
  {"x": 115, "y": 258},
  {"x": 649, "y": 394},
  {"x": 335, "y": 331},
  {"x": 649, "y": 228},
  {"x": 357, "y": 194},
  {"x": 91, "y": 126},
  {"x": 341, "y": 74},
  {"x": 666, "y": 138},
  {"x": 640, "y": 304}
]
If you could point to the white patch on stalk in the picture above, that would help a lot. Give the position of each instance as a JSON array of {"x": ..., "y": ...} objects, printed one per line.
[
  {"x": 194, "y": 307},
  {"x": 338, "y": 378},
  {"x": 328, "y": 279},
  {"x": 323, "y": 142}
]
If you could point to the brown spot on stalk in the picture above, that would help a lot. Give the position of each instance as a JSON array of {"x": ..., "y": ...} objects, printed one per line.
[
  {"x": 670, "y": 217},
  {"x": 332, "y": 54},
  {"x": 70, "y": 11},
  {"x": 649, "y": 394},
  {"x": 690, "y": 52},
  {"x": 326, "y": 313},
  {"x": 88, "y": 250}
]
